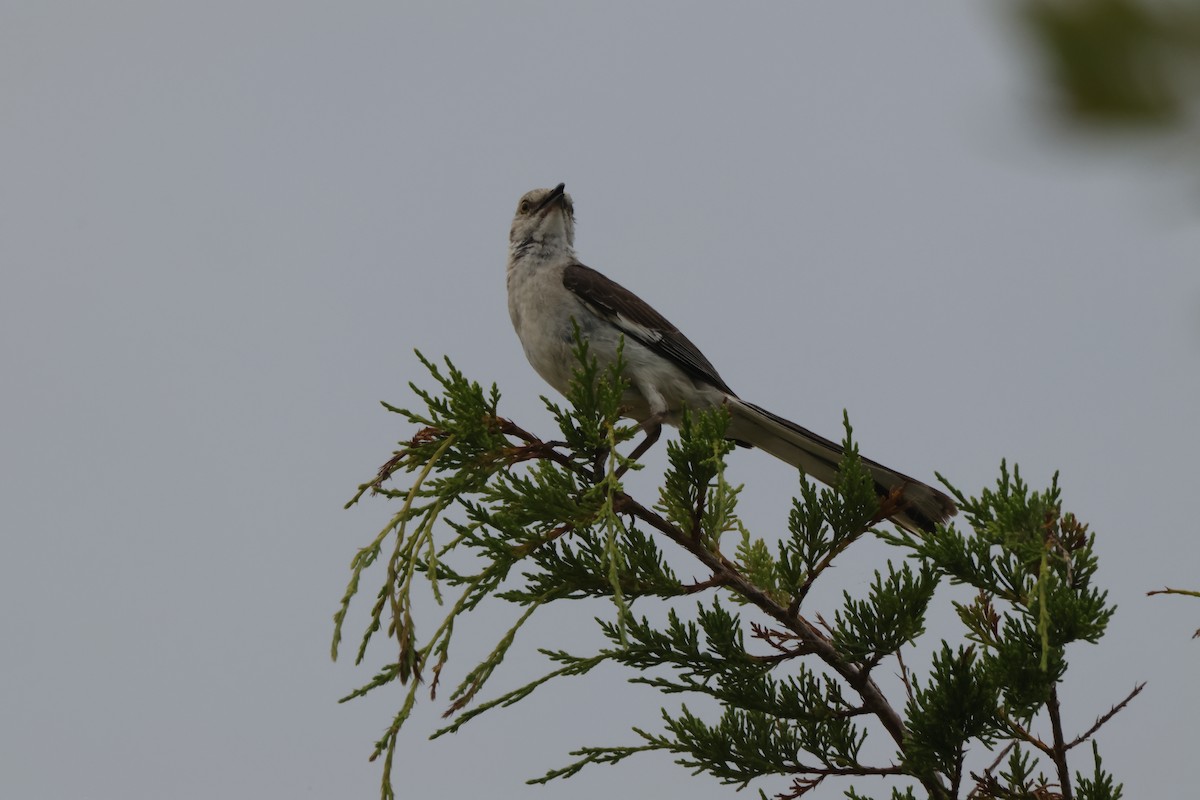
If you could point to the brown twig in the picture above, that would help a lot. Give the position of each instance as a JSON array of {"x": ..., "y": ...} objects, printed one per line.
[
  {"x": 1003, "y": 752},
  {"x": 908, "y": 690},
  {"x": 775, "y": 640},
  {"x": 529, "y": 547},
  {"x": 727, "y": 574},
  {"x": 700, "y": 586},
  {"x": 424, "y": 436},
  {"x": 1169, "y": 590},
  {"x": 1112, "y": 712},
  {"x": 803, "y": 785},
  {"x": 824, "y": 563},
  {"x": 859, "y": 680},
  {"x": 772, "y": 637},
  {"x": 984, "y": 781},
  {"x": 1025, "y": 736},
  {"x": 1059, "y": 752},
  {"x": 537, "y": 449}
]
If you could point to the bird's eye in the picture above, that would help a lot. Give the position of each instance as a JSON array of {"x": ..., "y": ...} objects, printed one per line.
[{"x": 524, "y": 207}]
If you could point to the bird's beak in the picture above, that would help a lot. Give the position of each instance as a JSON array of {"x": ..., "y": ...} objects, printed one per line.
[{"x": 555, "y": 195}]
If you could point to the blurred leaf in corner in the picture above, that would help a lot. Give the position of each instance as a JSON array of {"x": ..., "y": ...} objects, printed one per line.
[{"x": 1120, "y": 62}]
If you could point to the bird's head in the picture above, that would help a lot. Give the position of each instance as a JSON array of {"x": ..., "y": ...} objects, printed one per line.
[{"x": 545, "y": 220}]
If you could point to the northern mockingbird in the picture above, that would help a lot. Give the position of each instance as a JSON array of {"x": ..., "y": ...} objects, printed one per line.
[{"x": 549, "y": 292}]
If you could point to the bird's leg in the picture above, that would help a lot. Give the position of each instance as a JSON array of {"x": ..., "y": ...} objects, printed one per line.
[{"x": 652, "y": 425}]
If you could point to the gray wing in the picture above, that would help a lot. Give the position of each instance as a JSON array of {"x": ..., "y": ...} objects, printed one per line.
[{"x": 637, "y": 320}]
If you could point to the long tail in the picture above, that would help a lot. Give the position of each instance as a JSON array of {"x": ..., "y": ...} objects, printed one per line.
[{"x": 923, "y": 506}]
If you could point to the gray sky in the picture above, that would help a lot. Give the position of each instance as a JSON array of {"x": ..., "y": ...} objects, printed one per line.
[{"x": 224, "y": 227}]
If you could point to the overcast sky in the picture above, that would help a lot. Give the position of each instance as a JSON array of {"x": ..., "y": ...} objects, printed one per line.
[{"x": 225, "y": 226}]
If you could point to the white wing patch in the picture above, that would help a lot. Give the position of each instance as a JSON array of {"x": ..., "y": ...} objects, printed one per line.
[{"x": 637, "y": 331}]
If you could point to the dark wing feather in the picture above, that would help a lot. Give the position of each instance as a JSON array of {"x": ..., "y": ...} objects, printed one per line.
[{"x": 637, "y": 320}]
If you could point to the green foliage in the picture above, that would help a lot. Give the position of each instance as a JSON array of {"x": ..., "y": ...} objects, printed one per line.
[
  {"x": 1033, "y": 567},
  {"x": 893, "y": 615},
  {"x": 1100, "y": 785},
  {"x": 695, "y": 497},
  {"x": 494, "y": 514},
  {"x": 897, "y": 794},
  {"x": 1118, "y": 61},
  {"x": 957, "y": 705},
  {"x": 822, "y": 524}
]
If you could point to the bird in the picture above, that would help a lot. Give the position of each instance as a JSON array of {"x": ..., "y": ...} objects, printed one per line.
[{"x": 551, "y": 295}]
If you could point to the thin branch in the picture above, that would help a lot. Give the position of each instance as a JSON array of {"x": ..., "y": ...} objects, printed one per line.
[
  {"x": 529, "y": 547},
  {"x": 1112, "y": 712},
  {"x": 1169, "y": 590},
  {"x": 873, "y": 698},
  {"x": 1024, "y": 735},
  {"x": 856, "y": 770},
  {"x": 805, "y": 784},
  {"x": 775, "y": 639},
  {"x": 700, "y": 586},
  {"x": 984, "y": 780},
  {"x": 908, "y": 690},
  {"x": 1059, "y": 753},
  {"x": 800, "y": 787},
  {"x": 889, "y": 506},
  {"x": 1187, "y": 592},
  {"x": 824, "y": 563},
  {"x": 1003, "y": 752},
  {"x": 537, "y": 449}
]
